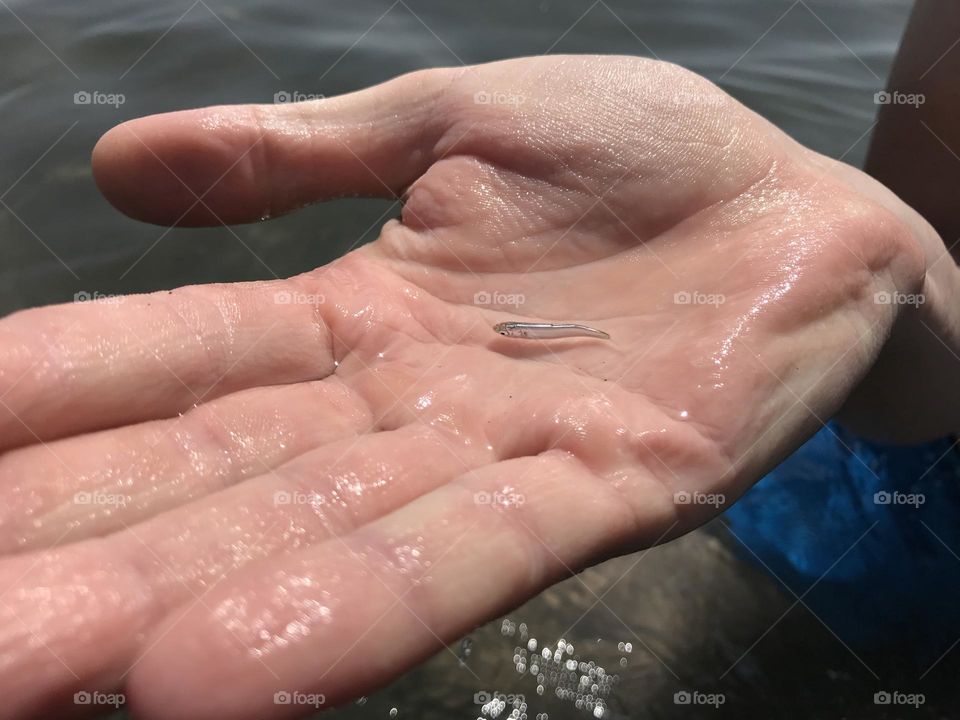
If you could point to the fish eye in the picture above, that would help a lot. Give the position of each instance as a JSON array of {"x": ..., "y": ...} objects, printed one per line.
[{"x": 503, "y": 332}]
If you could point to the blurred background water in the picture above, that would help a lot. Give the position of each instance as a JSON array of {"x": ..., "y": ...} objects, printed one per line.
[
  {"x": 690, "y": 609},
  {"x": 811, "y": 68}
]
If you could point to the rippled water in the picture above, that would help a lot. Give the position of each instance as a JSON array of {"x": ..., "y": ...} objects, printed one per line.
[{"x": 810, "y": 67}]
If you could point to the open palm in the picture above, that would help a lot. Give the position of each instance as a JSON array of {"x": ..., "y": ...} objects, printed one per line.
[{"x": 224, "y": 492}]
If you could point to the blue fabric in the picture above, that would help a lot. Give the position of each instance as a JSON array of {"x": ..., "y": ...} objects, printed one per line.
[{"x": 901, "y": 582}]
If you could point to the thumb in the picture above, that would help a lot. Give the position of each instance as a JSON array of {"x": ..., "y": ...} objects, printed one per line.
[{"x": 240, "y": 163}]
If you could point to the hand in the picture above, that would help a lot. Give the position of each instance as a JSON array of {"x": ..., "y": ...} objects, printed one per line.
[{"x": 308, "y": 485}]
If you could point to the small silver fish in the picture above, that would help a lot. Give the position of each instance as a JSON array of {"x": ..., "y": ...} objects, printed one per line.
[{"x": 547, "y": 331}]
